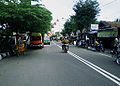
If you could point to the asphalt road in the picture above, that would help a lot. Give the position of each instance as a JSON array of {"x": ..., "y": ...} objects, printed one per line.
[{"x": 50, "y": 66}]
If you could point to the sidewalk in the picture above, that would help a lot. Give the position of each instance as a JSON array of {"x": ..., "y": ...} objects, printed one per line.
[{"x": 107, "y": 51}]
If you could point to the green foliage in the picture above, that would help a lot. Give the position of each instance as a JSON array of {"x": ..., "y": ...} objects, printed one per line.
[
  {"x": 26, "y": 1},
  {"x": 86, "y": 12},
  {"x": 54, "y": 35},
  {"x": 23, "y": 17},
  {"x": 69, "y": 26}
]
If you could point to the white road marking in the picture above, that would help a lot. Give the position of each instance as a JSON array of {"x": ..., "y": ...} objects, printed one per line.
[
  {"x": 47, "y": 45},
  {"x": 108, "y": 75}
]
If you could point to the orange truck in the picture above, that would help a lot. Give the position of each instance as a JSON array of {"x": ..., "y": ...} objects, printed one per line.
[{"x": 37, "y": 40}]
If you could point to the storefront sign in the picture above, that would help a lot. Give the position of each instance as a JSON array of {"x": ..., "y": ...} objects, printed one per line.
[
  {"x": 110, "y": 33},
  {"x": 94, "y": 27}
]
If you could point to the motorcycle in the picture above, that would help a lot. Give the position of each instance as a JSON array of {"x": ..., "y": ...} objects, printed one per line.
[
  {"x": 81, "y": 44},
  {"x": 102, "y": 48},
  {"x": 65, "y": 47},
  {"x": 115, "y": 56},
  {"x": 99, "y": 47}
]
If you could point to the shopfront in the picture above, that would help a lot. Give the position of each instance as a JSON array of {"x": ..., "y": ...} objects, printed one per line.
[{"x": 107, "y": 37}]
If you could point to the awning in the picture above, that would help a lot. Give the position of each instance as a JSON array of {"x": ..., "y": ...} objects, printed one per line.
[
  {"x": 92, "y": 32},
  {"x": 107, "y": 33}
]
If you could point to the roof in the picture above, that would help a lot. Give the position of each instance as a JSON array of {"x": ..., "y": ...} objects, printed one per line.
[
  {"x": 36, "y": 34},
  {"x": 112, "y": 24}
]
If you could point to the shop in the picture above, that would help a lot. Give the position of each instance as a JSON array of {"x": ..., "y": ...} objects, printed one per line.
[
  {"x": 107, "y": 37},
  {"x": 107, "y": 33}
]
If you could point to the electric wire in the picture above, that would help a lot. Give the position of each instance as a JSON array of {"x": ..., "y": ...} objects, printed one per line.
[{"x": 108, "y": 3}]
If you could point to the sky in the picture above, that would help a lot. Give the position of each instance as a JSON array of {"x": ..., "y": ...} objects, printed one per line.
[
  {"x": 62, "y": 9},
  {"x": 110, "y": 10}
]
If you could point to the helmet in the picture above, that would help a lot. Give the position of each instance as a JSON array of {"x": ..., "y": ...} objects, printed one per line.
[
  {"x": 116, "y": 39},
  {"x": 65, "y": 37}
]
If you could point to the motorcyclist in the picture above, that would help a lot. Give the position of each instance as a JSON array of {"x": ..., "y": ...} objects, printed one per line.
[
  {"x": 99, "y": 46},
  {"x": 118, "y": 50},
  {"x": 96, "y": 44},
  {"x": 65, "y": 41},
  {"x": 115, "y": 45}
]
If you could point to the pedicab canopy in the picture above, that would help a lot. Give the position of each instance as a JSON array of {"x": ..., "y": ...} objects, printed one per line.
[{"x": 36, "y": 34}]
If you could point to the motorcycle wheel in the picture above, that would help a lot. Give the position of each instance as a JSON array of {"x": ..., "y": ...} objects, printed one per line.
[{"x": 65, "y": 51}]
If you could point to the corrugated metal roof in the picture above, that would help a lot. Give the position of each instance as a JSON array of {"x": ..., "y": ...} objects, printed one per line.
[{"x": 113, "y": 24}]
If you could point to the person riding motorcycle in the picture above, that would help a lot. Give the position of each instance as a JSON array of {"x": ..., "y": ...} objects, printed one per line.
[
  {"x": 117, "y": 49},
  {"x": 96, "y": 44},
  {"x": 99, "y": 46},
  {"x": 115, "y": 45},
  {"x": 64, "y": 42}
]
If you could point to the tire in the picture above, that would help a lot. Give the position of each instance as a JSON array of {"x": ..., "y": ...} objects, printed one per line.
[
  {"x": 118, "y": 60},
  {"x": 65, "y": 50},
  {"x": 114, "y": 56},
  {"x": 102, "y": 49}
]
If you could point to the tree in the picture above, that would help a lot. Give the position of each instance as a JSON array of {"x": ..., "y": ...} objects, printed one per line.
[
  {"x": 20, "y": 18},
  {"x": 69, "y": 26},
  {"x": 54, "y": 35},
  {"x": 23, "y": 17},
  {"x": 86, "y": 12}
]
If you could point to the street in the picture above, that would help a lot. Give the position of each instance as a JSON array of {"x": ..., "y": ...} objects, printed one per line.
[{"x": 50, "y": 66}]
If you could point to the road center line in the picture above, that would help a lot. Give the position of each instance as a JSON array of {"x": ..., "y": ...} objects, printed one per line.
[{"x": 108, "y": 75}]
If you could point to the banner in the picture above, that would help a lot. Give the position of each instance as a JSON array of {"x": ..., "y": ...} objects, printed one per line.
[{"x": 109, "y": 33}]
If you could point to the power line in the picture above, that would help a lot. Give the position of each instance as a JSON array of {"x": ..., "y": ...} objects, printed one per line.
[
  {"x": 108, "y": 3},
  {"x": 111, "y": 3}
]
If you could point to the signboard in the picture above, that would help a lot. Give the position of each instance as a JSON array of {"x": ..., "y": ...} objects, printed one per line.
[
  {"x": 105, "y": 34},
  {"x": 94, "y": 27}
]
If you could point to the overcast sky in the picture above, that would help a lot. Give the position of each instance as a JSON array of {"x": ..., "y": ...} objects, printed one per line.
[
  {"x": 110, "y": 10},
  {"x": 63, "y": 8}
]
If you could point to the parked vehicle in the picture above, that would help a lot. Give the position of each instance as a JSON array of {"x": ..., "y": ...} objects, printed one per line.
[
  {"x": 82, "y": 44},
  {"x": 46, "y": 40},
  {"x": 37, "y": 40},
  {"x": 100, "y": 47}
]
